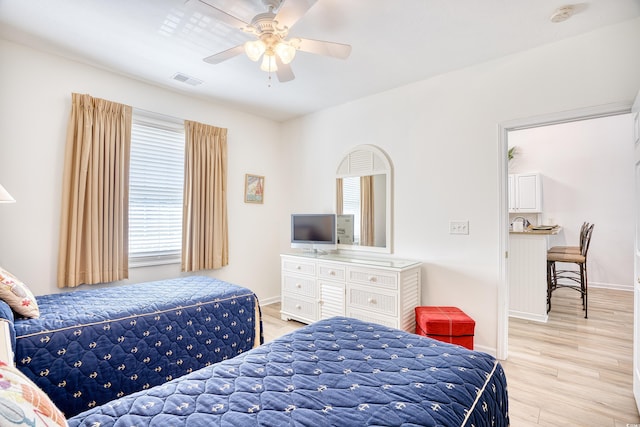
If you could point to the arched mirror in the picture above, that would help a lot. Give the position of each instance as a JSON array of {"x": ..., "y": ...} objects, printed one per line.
[{"x": 363, "y": 200}]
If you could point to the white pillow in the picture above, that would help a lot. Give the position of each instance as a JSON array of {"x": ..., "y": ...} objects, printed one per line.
[
  {"x": 17, "y": 295},
  {"x": 23, "y": 403}
]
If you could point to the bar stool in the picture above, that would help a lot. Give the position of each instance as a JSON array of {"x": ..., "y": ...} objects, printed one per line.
[
  {"x": 564, "y": 249},
  {"x": 572, "y": 249},
  {"x": 574, "y": 279}
]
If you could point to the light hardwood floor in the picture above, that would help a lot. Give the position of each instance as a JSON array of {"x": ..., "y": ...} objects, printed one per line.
[
  {"x": 574, "y": 371},
  {"x": 570, "y": 371},
  {"x": 273, "y": 326}
]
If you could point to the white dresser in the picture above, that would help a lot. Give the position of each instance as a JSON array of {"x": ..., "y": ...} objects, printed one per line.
[{"x": 380, "y": 290}]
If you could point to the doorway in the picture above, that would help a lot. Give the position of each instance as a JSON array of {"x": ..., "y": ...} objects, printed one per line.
[{"x": 504, "y": 130}]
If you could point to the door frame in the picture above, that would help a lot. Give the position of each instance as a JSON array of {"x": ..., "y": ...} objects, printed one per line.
[
  {"x": 502, "y": 347},
  {"x": 635, "y": 110}
]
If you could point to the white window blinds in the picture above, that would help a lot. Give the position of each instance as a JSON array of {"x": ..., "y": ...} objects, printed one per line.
[
  {"x": 155, "y": 191},
  {"x": 351, "y": 203}
]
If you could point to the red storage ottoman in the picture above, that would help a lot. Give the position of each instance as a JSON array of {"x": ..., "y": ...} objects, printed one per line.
[{"x": 448, "y": 324}]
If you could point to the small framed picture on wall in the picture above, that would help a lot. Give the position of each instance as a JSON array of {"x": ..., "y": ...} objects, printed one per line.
[{"x": 253, "y": 188}]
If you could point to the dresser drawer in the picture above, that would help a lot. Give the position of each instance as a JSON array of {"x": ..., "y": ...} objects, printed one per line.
[
  {"x": 332, "y": 271},
  {"x": 299, "y": 285},
  {"x": 300, "y": 308},
  {"x": 301, "y": 267},
  {"x": 379, "y": 278},
  {"x": 370, "y": 316},
  {"x": 375, "y": 301}
]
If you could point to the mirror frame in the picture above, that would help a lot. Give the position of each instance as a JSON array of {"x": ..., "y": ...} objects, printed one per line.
[{"x": 365, "y": 160}]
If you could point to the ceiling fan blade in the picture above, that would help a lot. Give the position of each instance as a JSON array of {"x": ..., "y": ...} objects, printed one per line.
[
  {"x": 218, "y": 14},
  {"x": 224, "y": 55},
  {"x": 284, "y": 72},
  {"x": 291, "y": 11},
  {"x": 336, "y": 50}
]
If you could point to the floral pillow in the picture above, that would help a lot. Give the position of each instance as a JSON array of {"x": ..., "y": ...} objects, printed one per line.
[
  {"x": 22, "y": 403},
  {"x": 17, "y": 295}
]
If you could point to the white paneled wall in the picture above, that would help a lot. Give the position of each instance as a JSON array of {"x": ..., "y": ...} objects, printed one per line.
[{"x": 528, "y": 276}]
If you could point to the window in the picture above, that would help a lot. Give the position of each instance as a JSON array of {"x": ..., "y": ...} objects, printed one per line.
[
  {"x": 155, "y": 190},
  {"x": 351, "y": 203}
]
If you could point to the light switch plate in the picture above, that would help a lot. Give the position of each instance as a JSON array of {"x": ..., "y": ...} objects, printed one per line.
[{"x": 459, "y": 227}]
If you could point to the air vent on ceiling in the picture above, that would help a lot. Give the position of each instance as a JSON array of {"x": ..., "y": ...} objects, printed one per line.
[{"x": 186, "y": 79}]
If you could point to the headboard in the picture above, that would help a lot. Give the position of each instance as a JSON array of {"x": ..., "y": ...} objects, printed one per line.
[{"x": 7, "y": 333}]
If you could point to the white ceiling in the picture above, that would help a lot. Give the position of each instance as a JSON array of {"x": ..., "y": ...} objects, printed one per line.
[{"x": 395, "y": 42}]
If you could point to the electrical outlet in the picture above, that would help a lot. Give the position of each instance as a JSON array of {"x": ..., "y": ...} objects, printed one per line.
[{"x": 458, "y": 227}]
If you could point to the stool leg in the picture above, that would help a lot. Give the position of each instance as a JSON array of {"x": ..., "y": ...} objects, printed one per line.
[
  {"x": 582, "y": 284},
  {"x": 585, "y": 288},
  {"x": 549, "y": 286}
]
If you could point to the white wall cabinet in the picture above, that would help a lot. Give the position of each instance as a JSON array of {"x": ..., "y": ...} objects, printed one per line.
[
  {"x": 525, "y": 193},
  {"x": 385, "y": 291}
]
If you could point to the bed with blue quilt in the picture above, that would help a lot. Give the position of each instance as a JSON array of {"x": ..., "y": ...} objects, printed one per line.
[
  {"x": 335, "y": 372},
  {"x": 89, "y": 347}
]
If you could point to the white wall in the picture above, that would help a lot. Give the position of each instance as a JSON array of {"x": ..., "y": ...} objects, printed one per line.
[
  {"x": 586, "y": 176},
  {"x": 441, "y": 136},
  {"x": 35, "y": 102}
]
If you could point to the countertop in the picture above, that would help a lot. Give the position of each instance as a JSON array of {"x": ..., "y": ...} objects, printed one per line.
[
  {"x": 385, "y": 262},
  {"x": 532, "y": 230}
]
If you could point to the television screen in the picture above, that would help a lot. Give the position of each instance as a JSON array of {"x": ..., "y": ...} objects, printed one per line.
[{"x": 313, "y": 229}]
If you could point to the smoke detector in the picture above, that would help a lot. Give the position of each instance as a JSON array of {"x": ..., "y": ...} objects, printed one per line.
[{"x": 561, "y": 14}]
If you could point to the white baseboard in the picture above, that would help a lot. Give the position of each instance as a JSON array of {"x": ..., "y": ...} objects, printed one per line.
[
  {"x": 613, "y": 286},
  {"x": 484, "y": 349},
  {"x": 268, "y": 301},
  {"x": 529, "y": 316}
]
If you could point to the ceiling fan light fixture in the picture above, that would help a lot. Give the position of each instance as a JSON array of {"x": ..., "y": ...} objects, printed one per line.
[
  {"x": 254, "y": 49},
  {"x": 271, "y": 29},
  {"x": 269, "y": 63},
  {"x": 286, "y": 52}
]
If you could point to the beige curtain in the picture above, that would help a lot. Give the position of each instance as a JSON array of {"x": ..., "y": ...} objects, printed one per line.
[
  {"x": 367, "y": 237},
  {"x": 339, "y": 196},
  {"x": 205, "y": 241},
  {"x": 94, "y": 244}
]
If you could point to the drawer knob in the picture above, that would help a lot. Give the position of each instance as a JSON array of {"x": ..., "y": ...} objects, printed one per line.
[
  {"x": 371, "y": 300},
  {"x": 332, "y": 273},
  {"x": 298, "y": 285},
  {"x": 298, "y": 306},
  {"x": 372, "y": 278},
  {"x": 298, "y": 267}
]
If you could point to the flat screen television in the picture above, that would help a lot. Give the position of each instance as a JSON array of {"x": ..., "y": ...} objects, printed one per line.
[{"x": 313, "y": 231}]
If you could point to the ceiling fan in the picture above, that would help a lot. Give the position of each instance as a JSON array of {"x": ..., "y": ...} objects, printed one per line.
[{"x": 271, "y": 29}]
